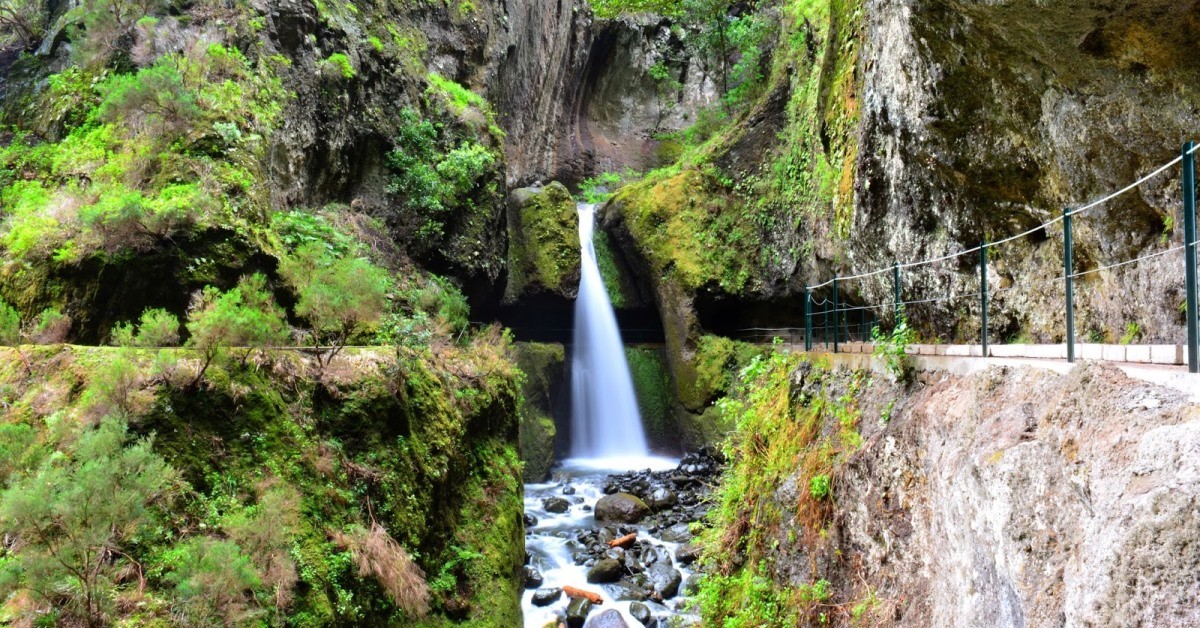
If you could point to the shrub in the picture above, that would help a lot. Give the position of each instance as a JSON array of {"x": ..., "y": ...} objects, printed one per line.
[
  {"x": 338, "y": 296},
  {"x": 341, "y": 64},
  {"x": 50, "y": 327},
  {"x": 157, "y": 328},
  {"x": 245, "y": 317},
  {"x": 10, "y": 325},
  {"x": 73, "y": 515},
  {"x": 892, "y": 348},
  {"x": 213, "y": 581},
  {"x": 153, "y": 101},
  {"x": 22, "y": 21},
  {"x": 820, "y": 486}
]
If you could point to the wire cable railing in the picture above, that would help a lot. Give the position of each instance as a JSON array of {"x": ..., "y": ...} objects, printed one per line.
[{"x": 840, "y": 315}]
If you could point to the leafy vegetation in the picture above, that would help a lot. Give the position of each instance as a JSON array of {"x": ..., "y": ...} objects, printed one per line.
[
  {"x": 245, "y": 317},
  {"x": 340, "y": 297},
  {"x": 796, "y": 424},
  {"x": 892, "y": 348}
]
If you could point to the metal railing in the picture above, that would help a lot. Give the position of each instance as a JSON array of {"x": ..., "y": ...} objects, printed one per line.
[{"x": 820, "y": 322}]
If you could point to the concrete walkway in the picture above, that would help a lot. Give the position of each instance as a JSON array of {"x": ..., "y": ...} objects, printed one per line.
[{"x": 964, "y": 360}]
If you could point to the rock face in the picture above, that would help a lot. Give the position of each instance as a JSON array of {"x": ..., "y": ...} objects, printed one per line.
[
  {"x": 543, "y": 244},
  {"x": 1019, "y": 113},
  {"x": 621, "y": 508},
  {"x": 576, "y": 94},
  {"x": 1014, "y": 497}
]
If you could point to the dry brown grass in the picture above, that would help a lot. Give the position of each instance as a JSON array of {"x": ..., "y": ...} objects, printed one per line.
[{"x": 377, "y": 554}]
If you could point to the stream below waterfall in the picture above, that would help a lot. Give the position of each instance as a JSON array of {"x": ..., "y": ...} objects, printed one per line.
[{"x": 645, "y": 581}]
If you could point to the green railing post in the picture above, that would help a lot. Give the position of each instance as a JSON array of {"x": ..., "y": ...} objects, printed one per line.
[
  {"x": 836, "y": 330},
  {"x": 1069, "y": 272},
  {"x": 983, "y": 296},
  {"x": 807, "y": 320},
  {"x": 1189, "y": 255},
  {"x": 896, "y": 291}
]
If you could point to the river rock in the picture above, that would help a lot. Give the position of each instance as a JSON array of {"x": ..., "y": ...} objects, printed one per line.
[
  {"x": 687, "y": 554},
  {"x": 530, "y": 520},
  {"x": 641, "y": 612},
  {"x": 661, "y": 498},
  {"x": 678, "y": 533},
  {"x": 621, "y": 507},
  {"x": 547, "y": 596},
  {"x": 607, "y": 570},
  {"x": 626, "y": 590},
  {"x": 533, "y": 578},
  {"x": 692, "y": 586},
  {"x": 664, "y": 579},
  {"x": 556, "y": 505},
  {"x": 577, "y": 612},
  {"x": 610, "y": 618},
  {"x": 569, "y": 490}
]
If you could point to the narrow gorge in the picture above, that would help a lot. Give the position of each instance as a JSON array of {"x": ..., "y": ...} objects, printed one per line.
[{"x": 598, "y": 313}]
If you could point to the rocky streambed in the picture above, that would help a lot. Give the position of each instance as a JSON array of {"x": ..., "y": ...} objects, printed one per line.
[{"x": 608, "y": 548}]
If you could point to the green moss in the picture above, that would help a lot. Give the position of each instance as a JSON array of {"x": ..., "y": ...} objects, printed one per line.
[
  {"x": 713, "y": 369},
  {"x": 652, "y": 384},
  {"x": 425, "y": 449},
  {"x": 543, "y": 368},
  {"x": 341, "y": 63},
  {"x": 688, "y": 231},
  {"x": 543, "y": 250},
  {"x": 609, "y": 271},
  {"x": 780, "y": 436}
]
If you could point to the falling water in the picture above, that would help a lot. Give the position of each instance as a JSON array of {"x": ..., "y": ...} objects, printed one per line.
[{"x": 605, "y": 422}]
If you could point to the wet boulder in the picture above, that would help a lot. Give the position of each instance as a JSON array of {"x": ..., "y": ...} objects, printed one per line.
[
  {"x": 607, "y": 570},
  {"x": 547, "y": 596},
  {"x": 678, "y": 533},
  {"x": 555, "y": 505},
  {"x": 577, "y": 612},
  {"x": 687, "y": 554},
  {"x": 621, "y": 508},
  {"x": 664, "y": 579},
  {"x": 641, "y": 613},
  {"x": 610, "y": 618},
  {"x": 661, "y": 498},
  {"x": 533, "y": 578}
]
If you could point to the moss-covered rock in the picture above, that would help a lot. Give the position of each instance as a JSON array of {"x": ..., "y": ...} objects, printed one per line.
[
  {"x": 543, "y": 249},
  {"x": 544, "y": 368},
  {"x": 655, "y": 396}
]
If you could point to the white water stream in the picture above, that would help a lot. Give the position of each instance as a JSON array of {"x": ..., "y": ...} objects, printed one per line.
[
  {"x": 550, "y": 542},
  {"x": 605, "y": 422}
]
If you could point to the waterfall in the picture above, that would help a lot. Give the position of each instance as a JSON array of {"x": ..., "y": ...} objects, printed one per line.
[{"x": 605, "y": 422}]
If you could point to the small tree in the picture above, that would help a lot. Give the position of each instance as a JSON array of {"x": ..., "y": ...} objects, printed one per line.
[
  {"x": 338, "y": 296},
  {"x": 71, "y": 517},
  {"x": 244, "y": 317},
  {"x": 22, "y": 21}
]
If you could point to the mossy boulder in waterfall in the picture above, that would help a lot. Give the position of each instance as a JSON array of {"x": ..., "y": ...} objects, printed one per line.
[
  {"x": 543, "y": 251},
  {"x": 655, "y": 397}
]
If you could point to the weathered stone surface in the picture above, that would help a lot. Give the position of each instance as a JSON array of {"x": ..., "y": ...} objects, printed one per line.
[
  {"x": 543, "y": 244},
  {"x": 621, "y": 508},
  {"x": 543, "y": 365},
  {"x": 1053, "y": 498},
  {"x": 555, "y": 505},
  {"x": 610, "y": 618},
  {"x": 605, "y": 570}
]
